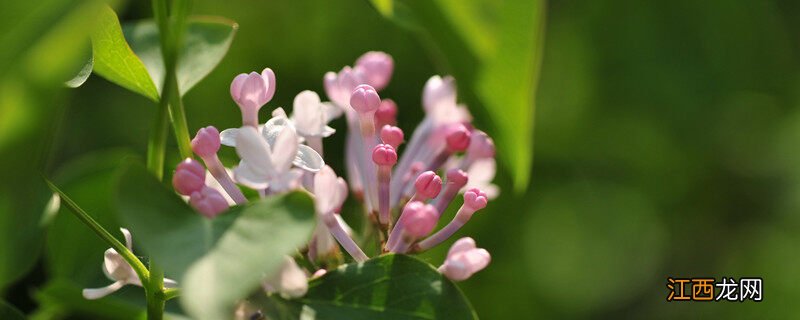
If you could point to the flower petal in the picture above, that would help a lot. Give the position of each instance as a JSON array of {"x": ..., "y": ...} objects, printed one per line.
[
  {"x": 245, "y": 175},
  {"x": 331, "y": 111},
  {"x": 253, "y": 150},
  {"x": 128, "y": 238},
  {"x": 307, "y": 113},
  {"x": 284, "y": 150},
  {"x": 462, "y": 245},
  {"x": 326, "y": 189},
  {"x": 97, "y": 293},
  {"x": 308, "y": 159},
  {"x": 228, "y": 136}
]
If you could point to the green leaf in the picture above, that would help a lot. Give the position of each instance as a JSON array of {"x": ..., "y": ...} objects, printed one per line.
[
  {"x": 80, "y": 78},
  {"x": 9, "y": 312},
  {"x": 219, "y": 261},
  {"x": 494, "y": 50},
  {"x": 114, "y": 59},
  {"x": 206, "y": 42},
  {"x": 386, "y": 287}
]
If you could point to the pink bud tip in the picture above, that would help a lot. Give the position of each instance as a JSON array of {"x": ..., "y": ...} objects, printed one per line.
[
  {"x": 457, "y": 177},
  {"x": 251, "y": 91},
  {"x": 458, "y": 139},
  {"x": 420, "y": 219},
  {"x": 208, "y": 202},
  {"x": 206, "y": 142},
  {"x": 189, "y": 177},
  {"x": 386, "y": 113},
  {"x": 464, "y": 259},
  {"x": 475, "y": 199},
  {"x": 365, "y": 99},
  {"x": 377, "y": 68},
  {"x": 384, "y": 155},
  {"x": 392, "y": 135},
  {"x": 481, "y": 145},
  {"x": 428, "y": 185}
]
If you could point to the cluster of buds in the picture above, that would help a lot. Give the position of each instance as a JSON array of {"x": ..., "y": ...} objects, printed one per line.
[{"x": 404, "y": 196}]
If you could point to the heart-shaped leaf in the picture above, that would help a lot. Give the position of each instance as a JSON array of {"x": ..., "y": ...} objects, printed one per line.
[
  {"x": 220, "y": 261},
  {"x": 114, "y": 59},
  {"x": 386, "y": 287},
  {"x": 206, "y": 42}
]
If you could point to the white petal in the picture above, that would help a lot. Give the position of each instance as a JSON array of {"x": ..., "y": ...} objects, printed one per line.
[
  {"x": 253, "y": 150},
  {"x": 325, "y": 190},
  {"x": 331, "y": 111},
  {"x": 289, "y": 180},
  {"x": 169, "y": 283},
  {"x": 284, "y": 150},
  {"x": 94, "y": 294},
  {"x": 308, "y": 116},
  {"x": 482, "y": 170},
  {"x": 275, "y": 126},
  {"x": 290, "y": 280},
  {"x": 244, "y": 175},
  {"x": 228, "y": 136},
  {"x": 128, "y": 238},
  {"x": 308, "y": 159}
]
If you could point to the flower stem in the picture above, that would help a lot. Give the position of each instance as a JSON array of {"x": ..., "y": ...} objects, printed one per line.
[
  {"x": 84, "y": 217},
  {"x": 154, "y": 289},
  {"x": 156, "y": 145}
]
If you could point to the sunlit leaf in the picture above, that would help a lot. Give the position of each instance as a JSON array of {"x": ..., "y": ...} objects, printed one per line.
[
  {"x": 82, "y": 75},
  {"x": 217, "y": 262},
  {"x": 387, "y": 287},
  {"x": 206, "y": 42},
  {"x": 114, "y": 59}
]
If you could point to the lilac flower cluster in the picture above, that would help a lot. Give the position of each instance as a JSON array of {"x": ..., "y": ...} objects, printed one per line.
[{"x": 404, "y": 196}]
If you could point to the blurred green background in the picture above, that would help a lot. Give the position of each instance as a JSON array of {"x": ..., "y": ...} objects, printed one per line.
[{"x": 667, "y": 143}]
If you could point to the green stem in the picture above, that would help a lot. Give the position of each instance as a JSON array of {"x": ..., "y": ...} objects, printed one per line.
[
  {"x": 84, "y": 217},
  {"x": 171, "y": 293},
  {"x": 156, "y": 146},
  {"x": 154, "y": 290}
]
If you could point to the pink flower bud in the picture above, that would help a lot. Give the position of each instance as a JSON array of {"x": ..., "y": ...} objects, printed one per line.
[
  {"x": 392, "y": 136},
  {"x": 458, "y": 138},
  {"x": 419, "y": 219},
  {"x": 251, "y": 92},
  {"x": 384, "y": 155},
  {"x": 457, "y": 177},
  {"x": 464, "y": 259},
  {"x": 386, "y": 113},
  {"x": 189, "y": 177},
  {"x": 439, "y": 92},
  {"x": 364, "y": 99},
  {"x": 428, "y": 185},
  {"x": 475, "y": 199},
  {"x": 480, "y": 145},
  {"x": 206, "y": 142},
  {"x": 377, "y": 68},
  {"x": 208, "y": 202}
]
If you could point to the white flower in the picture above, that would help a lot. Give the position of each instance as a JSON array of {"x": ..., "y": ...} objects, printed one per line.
[
  {"x": 310, "y": 115},
  {"x": 290, "y": 281},
  {"x": 118, "y": 270},
  {"x": 263, "y": 167},
  {"x": 305, "y": 158}
]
